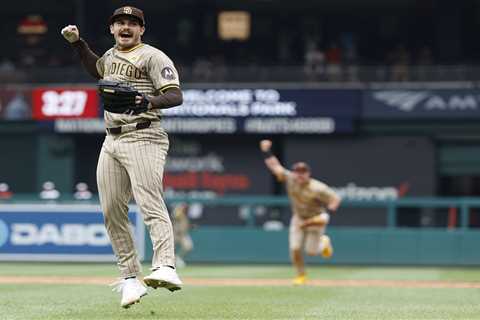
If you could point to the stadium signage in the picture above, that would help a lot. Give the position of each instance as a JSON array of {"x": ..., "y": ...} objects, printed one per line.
[
  {"x": 249, "y": 111},
  {"x": 65, "y": 234},
  {"x": 205, "y": 167},
  {"x": 204, "y": 172},
  {"x": 353, "y": 192},
  {"x": 461, "y": 103},
  {"x": 54, "y": 103},
  {"x": 267, "y": 125},
  {"x": 58, "y": 233},
  {"x": 264, "y": 111}
]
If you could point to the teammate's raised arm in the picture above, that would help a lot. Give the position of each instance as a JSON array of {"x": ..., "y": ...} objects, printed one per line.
[
  {"x": 87, "y": 56},
  {"x": 271, "y": 161}
]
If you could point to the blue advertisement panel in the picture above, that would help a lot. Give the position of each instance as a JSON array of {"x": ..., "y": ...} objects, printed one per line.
[
  {"x": 59, "y": 233},
  {"x": 264, "y": 111},
  {"x": 421, "y": 104},
  {"x": 258, "y": 102},
  {"x": 258, "y": 125},
  {"x": 250, "y": 111}
]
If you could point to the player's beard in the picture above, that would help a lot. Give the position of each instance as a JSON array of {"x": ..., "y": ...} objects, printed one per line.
[{"x": 127, "y": 43}]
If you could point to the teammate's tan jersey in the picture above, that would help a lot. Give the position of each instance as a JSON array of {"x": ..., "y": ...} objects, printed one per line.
[
  {"x": 145, "y": 68},
  {"x": 181, "y": 224},
  {"x": 308, "y": 200}
]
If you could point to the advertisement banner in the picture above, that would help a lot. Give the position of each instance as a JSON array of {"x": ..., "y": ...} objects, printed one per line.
[
  {"x": 205, "y": 168},
  {"x": 264, "y": 111},
  {"x": 63, "y": 102},
  {"x": 180, "y": 125},
  {"x": 215, "y": 167},
  {"x": 59, "y": 233},
  {"x": 250, "y": 111},
  {"x": 268, "y": 103},
  {"x": 421, "y": 104}
]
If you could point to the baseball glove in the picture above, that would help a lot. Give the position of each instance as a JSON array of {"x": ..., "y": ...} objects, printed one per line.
[{"x": 118, "y": 97}]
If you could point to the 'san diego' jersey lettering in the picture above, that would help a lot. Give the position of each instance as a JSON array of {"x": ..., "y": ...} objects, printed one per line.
[{"x": 143, "y": 67}]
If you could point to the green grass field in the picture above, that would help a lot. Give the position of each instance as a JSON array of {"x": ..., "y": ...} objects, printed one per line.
[{"x": 96, "y": 301}]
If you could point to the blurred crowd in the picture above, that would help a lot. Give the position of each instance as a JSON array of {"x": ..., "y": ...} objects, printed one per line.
[
  {"x": 50, "y": 192},
  {"x": 320, "y": 63},
  {"x": 336, "y": 61},
  {"x": 316, "y": 59}
]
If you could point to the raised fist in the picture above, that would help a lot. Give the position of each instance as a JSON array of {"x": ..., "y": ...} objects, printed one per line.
[
  {"x": 71, "y": 33},
  {"x": 265, "y": 145}
]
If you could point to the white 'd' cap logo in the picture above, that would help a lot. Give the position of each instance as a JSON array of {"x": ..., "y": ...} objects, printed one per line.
[{"x": 127, "y": 10}]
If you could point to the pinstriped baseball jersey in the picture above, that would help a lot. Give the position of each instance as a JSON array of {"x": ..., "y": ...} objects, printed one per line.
[
  {"x": 145, "y": 68},
  {"x": 131, "y": 163},
  {"x": 308, "y": 200}
]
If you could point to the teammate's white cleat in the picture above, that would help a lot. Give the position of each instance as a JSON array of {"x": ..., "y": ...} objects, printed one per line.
[
  {"x": 164, "y": 277},
  {"x": 131, "y": 290}
]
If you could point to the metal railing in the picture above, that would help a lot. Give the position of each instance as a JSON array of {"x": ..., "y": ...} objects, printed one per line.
[
  {"x": 463, "y": 205},
  {"x": 265, "y": 73}
]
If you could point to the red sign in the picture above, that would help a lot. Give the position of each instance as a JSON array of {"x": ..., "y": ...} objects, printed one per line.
[
  {"x": 219, "y": 182},
  {"x": 54, "y": 103}
]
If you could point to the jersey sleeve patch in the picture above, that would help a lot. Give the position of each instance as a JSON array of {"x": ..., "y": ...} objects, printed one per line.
[{"x": 168, "y": 73}]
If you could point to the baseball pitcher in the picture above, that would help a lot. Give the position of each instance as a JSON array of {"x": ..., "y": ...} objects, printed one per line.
[
  {"x": 310, "y": 199},
  {"x": 136, "y": 82}
]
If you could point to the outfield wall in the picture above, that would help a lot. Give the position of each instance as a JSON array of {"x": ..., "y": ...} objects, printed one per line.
[
  {"x": 75, "y": 232},
  {"x": 351, "y": 245}
]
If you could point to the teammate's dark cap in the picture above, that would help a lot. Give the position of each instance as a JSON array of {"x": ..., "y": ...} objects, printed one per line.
[
  {"x": 301, "y": 167},
  {"x": 128, "y": 11}
]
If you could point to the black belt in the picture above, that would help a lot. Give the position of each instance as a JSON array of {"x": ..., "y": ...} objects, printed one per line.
[{"x": 138, "y": 126}]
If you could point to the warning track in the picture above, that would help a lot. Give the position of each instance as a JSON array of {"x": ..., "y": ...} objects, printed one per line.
[{"x": 247, "y": 282}]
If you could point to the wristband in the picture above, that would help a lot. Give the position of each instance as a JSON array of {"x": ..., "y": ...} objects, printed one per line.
[{"x": 267, "y": 154}]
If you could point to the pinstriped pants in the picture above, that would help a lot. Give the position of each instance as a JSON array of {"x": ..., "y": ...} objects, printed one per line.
[{"x": 132, "y": 163}]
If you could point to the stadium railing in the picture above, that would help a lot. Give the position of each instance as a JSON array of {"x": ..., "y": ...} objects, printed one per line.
[
  {"x": 265, "y": 73},
  {"x": 460, "y": 205}
]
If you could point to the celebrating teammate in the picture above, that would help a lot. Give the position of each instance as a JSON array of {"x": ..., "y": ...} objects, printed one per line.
[
  {"x": 133, "y": 154},
  {"x": 309, "y": 200},
  {"x": 181, "y": 229}
]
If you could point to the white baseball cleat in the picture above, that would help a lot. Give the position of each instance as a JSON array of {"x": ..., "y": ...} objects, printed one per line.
[
  {"x": 164, "y": 277},
  {"x": 131, "y": 290}
]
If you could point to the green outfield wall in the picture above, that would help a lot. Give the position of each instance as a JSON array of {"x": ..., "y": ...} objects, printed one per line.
[
  {"x": 251, "y": 243},
  {"x": 352, "y": 246},
  {"x": 390, "y": 244}
]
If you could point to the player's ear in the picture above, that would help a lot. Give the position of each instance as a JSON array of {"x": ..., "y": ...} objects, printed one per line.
[
  {"x": 111, "y": 28},
  {"x": 142, "y": 30}
]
